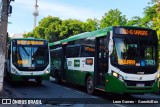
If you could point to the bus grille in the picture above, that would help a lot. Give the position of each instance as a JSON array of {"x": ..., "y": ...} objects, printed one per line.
[{"x": 134, "y": 83}]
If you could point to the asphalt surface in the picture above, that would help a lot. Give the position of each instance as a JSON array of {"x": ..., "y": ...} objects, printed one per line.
[{"x": 54, "y": 94}]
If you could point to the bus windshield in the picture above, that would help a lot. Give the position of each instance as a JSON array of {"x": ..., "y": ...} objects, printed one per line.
[
  {"x": 30, "y": 56},
  {"x": 134, "y": 52}
]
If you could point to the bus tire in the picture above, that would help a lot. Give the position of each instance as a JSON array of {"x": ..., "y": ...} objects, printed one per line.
[
  {"x": 39, "y": 81},
  {"x": 57, "y": 77},
  {"x": 89, "y": 85}
]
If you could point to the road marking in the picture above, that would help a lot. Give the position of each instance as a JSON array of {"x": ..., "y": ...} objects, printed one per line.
[
  {"x": 64, "y": 104},
  {"x": 152, "y": 95},
  {"x": 79, "y": 92},
  {"x": 57, "y": 85},
  {"x": 95, "y": 97},
  {"x": 119, "y": 105},
  {"x": 78, "y": 105},
  {"x": 67, "y": 88}
]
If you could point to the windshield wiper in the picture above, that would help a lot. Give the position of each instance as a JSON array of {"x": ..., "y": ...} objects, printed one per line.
[{"x": 25, "y": 50}]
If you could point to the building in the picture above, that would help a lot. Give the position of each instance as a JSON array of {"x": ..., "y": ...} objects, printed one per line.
[{"x": 18, "y": 35}]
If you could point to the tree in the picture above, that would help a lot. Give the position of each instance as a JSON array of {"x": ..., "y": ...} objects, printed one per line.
[
  {"x": 71, "y": 27},
  {"x": 135, "y": 21},
  {"x": 113, "y": 18},
  {"x": 152, "y": 15},
  {"x": 47, "y": 29},
  {"x": 52, "y": 32},
  {"x": 45, "y": 22},
  {"x": 149, "y": 14},
  {"x": 91, "y": 24},
  {"x": 39, "y": 32},
  {"x": 29, "y": 34}
]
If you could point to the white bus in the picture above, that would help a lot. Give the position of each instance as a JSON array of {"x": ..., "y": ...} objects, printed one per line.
[
  {"x": 118, "y": 59},
  {"x": 28, "y": 58}
]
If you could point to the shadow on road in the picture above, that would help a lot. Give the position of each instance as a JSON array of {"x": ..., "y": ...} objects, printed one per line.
[
  {"x": 31, "y": 83},
  {"x": 100, "y": 94}
]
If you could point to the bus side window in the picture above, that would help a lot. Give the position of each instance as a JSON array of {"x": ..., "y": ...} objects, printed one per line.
[
  {"x": 87, "y": 51},
  {"x": 72, "y": 51}
]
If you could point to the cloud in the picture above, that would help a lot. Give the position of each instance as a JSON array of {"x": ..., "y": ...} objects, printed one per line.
[
  {"x": 22, "y": 18},
  {"x": 65, "y": 11},
  {"x": 60, "y": 10},
  {"x": 25, "y": 4}
]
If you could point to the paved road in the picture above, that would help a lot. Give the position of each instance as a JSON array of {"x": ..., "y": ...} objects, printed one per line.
[{"x": 74, "y": 96}]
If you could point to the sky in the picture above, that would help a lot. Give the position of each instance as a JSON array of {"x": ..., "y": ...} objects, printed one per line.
[{"x": 22, "y": 20}]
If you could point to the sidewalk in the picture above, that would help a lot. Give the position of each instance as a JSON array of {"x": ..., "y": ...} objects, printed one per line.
[{"x": 4, "y": 94}]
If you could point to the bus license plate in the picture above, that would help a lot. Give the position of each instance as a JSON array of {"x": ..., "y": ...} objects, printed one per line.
[{"x": 140, "y": 85}]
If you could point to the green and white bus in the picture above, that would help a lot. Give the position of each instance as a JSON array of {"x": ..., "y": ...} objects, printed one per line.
[
  {"x": 28, "y": 58},
  {"x": 117, "y": 59}
]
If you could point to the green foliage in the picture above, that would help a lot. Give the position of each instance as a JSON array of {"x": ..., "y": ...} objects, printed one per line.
[
  {"x": 52, "y": 32},
  {"x": 39, "y": 32},
  {"x": 54, "y": 29},
  {"x": 92, "y": 24},
  {"x": 29, "y": 34},
  {"x": 45, "y": 22},
  {"x": 71, "y": 27},
  {"x": 135, "y": 21},
  {"x": 152, "y": 16},
  {"x": 149, "y": 14},
  {"x": 113, "y": 18}
]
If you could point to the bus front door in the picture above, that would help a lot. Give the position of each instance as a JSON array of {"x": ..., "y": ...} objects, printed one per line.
[{"x": 101, "y": 61}]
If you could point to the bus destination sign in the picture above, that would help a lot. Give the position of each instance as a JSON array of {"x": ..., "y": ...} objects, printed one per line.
[
  {"x": 128, "y": 31},
  {"x": 29, "y": 42}
]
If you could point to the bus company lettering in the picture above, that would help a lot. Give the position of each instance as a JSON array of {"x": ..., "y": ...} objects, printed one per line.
[
  {"x": 136, "y": 32},
  {"x": 126, "y": 62}
]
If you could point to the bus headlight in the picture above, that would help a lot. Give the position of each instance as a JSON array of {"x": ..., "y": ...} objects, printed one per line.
[
  {"x": 47, "y": 71},
  {"x": 13, "y": 71},
  {"x": 158, "y": 76},
  {"x": 117, "y": 75}
]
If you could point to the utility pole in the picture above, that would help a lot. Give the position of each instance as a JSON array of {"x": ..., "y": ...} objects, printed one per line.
[
  {"x": 3, "y": 36},
  {"x": 5, "y": 10},
  {"x": 35, "y": 13}
]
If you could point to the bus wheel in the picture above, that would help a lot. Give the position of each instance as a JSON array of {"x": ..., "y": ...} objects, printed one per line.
[
  {"x": 39, "y": 81},
  {"x": 89, "y": 85},
  {"x": 57, "y": 80},
  {"x": 57, "y": 77}
]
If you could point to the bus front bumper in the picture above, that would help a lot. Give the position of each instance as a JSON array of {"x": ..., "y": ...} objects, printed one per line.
[
  {"x": 14, "y": 77},
  {"x": 114, "y": 85}
]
